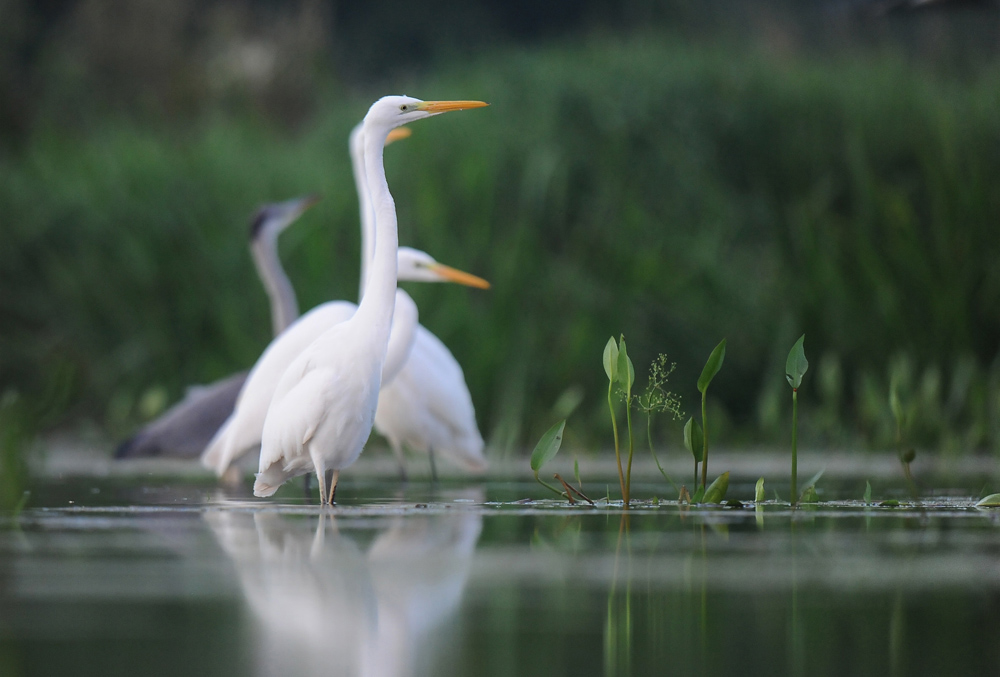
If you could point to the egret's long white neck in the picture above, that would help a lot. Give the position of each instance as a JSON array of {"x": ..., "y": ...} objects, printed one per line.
[
  {"x": 357, "y": 148},
  {"x": 377, "y": 304},
  {"x": 284, "y": 305}
]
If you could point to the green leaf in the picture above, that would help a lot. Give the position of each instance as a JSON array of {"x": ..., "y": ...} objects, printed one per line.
[
  {"x": 694, "y": 439},
  {"x": 712, "y": 367},
  {"x": 991, "y": 501},
  {"x": 626, "y": 372},
  {"x": 548, "y": 446},
  {"x": 717, "y": 490},
  {"x": 809, "y": 496},
  {"x": 907, "y": 455},
  {"x": 758, "y": 492},
  {"x": 796, "y": 364},
  {"x": 611, "y": 359},
  {"x": 576, "y": 472},
  {"x": 698, "y": 495},
  {"x": 814, "y": 479},
  {"x": 868, "y": 492},
  {"x": 891, "y": 503}
]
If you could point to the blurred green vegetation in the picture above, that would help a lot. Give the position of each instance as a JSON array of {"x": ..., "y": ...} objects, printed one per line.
[{"x": 678, "y": 191}]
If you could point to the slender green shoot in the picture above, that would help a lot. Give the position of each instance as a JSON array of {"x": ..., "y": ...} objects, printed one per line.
[
  {"x": 611, "y": 369},
  {"x": 795, "y": 368},
  {"x": 626, "y": 377},
  {"x": 712, "y": 367},
  {"x": 693, "y": 442}
]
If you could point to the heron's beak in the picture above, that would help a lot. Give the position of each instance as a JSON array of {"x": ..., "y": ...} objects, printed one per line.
[
  {"x": 304, "y": 203},
  {"x": 449, "y": 274},
  {"x": 398, "y": 134},
  {"x": 445, "y": 106}
]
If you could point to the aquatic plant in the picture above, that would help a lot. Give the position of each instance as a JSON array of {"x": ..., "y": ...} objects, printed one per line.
[
  {"x": 900, "y": 415},
  {"x": 545, "y": 450},
  {"x": 657, "y": 399},
  {"x": 15, "y": 434},
  {"x": 694, "y": 443},
  {"x": 795, "y": 368},
  {"x": 621, "y": 373},
  {"x": 611, "y": 369},
  {"x": 712, "y": 367}
]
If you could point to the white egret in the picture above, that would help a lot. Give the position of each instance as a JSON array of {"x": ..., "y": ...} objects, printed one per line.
[
  {"x": 426, "y": 406},
  {"x": 324, "y": 405},
  {"x": 183, "y": 430},
  {"x": 242, "y": 431}
]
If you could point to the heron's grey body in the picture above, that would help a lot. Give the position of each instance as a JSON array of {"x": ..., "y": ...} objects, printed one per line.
[{"x": 185, "y": 429}]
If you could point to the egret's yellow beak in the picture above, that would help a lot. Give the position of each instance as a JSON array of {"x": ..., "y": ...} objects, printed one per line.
[
  {"x": 445, "y": 106},
  {"x": 457, "y": 276},
  {"x": 398, "y": 134}
]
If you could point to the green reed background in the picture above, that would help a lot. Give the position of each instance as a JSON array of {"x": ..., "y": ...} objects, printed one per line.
[{"x": 677, "y": 191}]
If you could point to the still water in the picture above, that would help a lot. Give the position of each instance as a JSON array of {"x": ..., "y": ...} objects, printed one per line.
[{"x": 103, "y": 578}]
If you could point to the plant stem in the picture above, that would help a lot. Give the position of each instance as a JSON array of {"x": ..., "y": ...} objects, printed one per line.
[
  {"x": 631, "y": 440},
  {"x": 614, "y": 427},
  {"x": 649, "y": 439},
  {"x": 795, "y": 445},
  {"x": 552, "y": 488},
  {"x": 704, "y": 448}
]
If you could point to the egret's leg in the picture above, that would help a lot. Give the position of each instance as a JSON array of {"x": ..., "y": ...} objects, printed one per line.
[
  {"x": 333, "y": 486},
  {"x": 434, "y": 470},
  {"x": 329, "y": 477},
  {"x": 322, "y": 483},
  {"x": 397, "y": 451}
]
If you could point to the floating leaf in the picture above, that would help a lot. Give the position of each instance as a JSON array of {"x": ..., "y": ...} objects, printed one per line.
[
  {"x": 991, "y": 501},
  {"x": 694, "y": 440},
  {"x": 717, "y": 490},
  {"x": 796, "y": 364},
  {"x": 626, "y": 372},
  {"x": 809, "y": 495},
  {"x": 712, "y": 366},
  {"x": 758, "y": 492},
  {"x": 891, "y": 503},
  {"x": 611, "y": 359},
  {"x": 547, "y": 447},
  {"x": 868, "y": 492},
  {"x": 733, "y": 503}
]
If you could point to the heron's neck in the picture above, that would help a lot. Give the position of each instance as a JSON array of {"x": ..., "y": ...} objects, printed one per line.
[
  {"x": 357, "y": 147},
  {"x": 376, "y": 306},
  {"x": 284, "y": 306}
]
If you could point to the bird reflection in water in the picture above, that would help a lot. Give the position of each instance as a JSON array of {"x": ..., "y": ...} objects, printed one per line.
[{"x": 325, "y": 606}]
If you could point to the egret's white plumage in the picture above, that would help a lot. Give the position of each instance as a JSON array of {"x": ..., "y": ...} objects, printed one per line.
[{"x": 324, "y": 405}]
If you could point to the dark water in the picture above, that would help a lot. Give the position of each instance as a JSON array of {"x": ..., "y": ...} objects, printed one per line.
[{"x": 108, "y": 579}]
